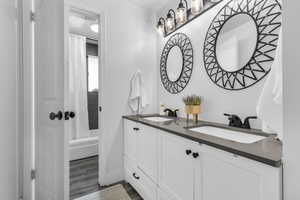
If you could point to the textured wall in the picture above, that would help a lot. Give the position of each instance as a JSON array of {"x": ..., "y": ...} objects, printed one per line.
[{"x": 216, "y": 101}]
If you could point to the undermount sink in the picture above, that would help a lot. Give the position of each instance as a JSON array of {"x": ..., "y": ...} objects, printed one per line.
[
  {"x": 158, "y": 119},
  {"x": 235, "y": 136}
]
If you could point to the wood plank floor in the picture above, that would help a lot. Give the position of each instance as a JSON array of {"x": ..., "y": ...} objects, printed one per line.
[{"x": 84, "y": 179}]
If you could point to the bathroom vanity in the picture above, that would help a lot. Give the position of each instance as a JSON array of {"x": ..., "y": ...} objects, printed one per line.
[{"x": 164, "y": 160}]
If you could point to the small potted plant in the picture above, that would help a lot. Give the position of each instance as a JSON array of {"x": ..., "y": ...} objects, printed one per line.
[{"x": 192, "y": 106}]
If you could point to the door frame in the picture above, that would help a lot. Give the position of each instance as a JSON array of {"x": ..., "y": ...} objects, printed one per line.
[
  {"x": 28, "y": 88},
  {"x": 102, "y": 64}
]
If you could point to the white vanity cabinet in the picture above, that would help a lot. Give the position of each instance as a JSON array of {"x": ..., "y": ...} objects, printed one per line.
[
  {"x": 164, "y": 166},
  {"x": 228, "y": 176},
  {"x": 130, "y": 136},
  {"x": 179, "y": 159},
  {"x": 141, "y": 158},
  {"x": 147, "y": 151}
]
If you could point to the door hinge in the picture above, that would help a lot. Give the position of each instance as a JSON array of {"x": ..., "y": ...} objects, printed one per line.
[
  {"x": 32, "y": 16},
  {"x": 33, "y": 174}
]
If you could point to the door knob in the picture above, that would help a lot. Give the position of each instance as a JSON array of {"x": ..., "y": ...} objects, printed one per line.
[
  {"x": 58, "y": 115},
  {"x": 69, "y": 115}
]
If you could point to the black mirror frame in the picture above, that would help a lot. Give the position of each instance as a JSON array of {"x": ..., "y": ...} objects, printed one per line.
[
  {"x": 267, "y": 17},
  {"x": 183, "y": 42}
]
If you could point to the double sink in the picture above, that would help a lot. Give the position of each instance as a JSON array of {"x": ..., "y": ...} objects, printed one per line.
[{"x": 232, "y": 135}]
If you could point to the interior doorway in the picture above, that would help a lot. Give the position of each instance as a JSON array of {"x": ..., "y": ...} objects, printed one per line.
[{"x": 82, "y": 97}]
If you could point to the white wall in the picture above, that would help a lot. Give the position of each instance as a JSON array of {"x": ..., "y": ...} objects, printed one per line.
[
  {"x": 8, "y": 101},
  {"x": 130, "y": 43},
  {"x": 216, "y": 101},
  {"x": 291, "y": 66}
]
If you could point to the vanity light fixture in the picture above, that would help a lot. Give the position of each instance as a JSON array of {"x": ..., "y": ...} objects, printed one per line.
[
  {"x": 196, "y": 6},
  {"x": 182, "y": 14},
  {"x": 161, "y": 26},
  {"x": 171, "y": 20}
]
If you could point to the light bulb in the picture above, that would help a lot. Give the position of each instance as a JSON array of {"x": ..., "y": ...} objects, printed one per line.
[
  {"x": 94, "y": 28},
  {"x": 196, "y": 6},
  {"x": 181, "y": 15},
  {"x": 170, "y": 23},
  {"x": 161, "y": 29}
]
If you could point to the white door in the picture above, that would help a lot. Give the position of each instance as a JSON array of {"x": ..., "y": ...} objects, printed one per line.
[
  {"x": 147, "y": 151},
  {"x": 177, "y": 168},
  {"x": 49, "y": 65}
]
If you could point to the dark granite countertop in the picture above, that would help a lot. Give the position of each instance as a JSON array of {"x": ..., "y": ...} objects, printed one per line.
[{"x": 268, "y": 150}]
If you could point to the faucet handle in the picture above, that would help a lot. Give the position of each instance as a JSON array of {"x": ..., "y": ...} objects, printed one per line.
[
  {"x": 234, "y": 120},
  {"x": 247, "y": 122}
]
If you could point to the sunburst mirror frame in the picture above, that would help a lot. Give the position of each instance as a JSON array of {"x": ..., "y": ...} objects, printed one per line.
[
  {"x": 267, "y": 17},
  {"x": 183, "y": 42}
]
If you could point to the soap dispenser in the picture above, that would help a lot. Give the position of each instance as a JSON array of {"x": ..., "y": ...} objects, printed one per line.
[{"x": 162, "y": 108}]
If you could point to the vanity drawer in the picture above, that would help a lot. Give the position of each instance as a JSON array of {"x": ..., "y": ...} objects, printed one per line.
[
  {"x": 146, "y": 188},
  {"x": 142, "y": 183}
]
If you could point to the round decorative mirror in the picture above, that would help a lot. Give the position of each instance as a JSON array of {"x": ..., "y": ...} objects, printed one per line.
[
  {"x": 176, "y": 64},
  {"x": 241, "y": 43},
  {"x": 236, "y": 42}
]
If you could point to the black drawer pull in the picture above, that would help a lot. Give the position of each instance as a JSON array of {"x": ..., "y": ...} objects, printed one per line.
[
  {"x": 135, "y": 176},
  {"x": 136, "y": 129},
  {"x": 188, "y": 152}
]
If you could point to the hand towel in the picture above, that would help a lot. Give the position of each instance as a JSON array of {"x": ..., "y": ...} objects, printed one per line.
[
  {"x": 138, "y": 99},
  {"x": 269, "y": 108}
]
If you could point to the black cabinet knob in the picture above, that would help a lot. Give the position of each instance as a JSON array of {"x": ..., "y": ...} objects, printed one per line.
[
  {"x": 58, "y": 115},
  {"x": 195, "y": 155},
  {"x": 188, "y": 152}
]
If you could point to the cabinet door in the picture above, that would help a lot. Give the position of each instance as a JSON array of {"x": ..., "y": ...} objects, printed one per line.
[
  {"x": 225, "y": 176},
  {"x": 147, "y": 151},
  {"x": 130, "y": 134},
  {"x": 176, "y": 168}
]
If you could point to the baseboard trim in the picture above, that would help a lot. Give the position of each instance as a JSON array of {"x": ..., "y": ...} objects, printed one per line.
[{"x": 111, "y": 177}]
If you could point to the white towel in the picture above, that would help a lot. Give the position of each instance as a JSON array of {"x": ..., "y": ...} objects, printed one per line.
[
  {"x": 138, "y": 99},
  {"x": 269, "y": 108}
]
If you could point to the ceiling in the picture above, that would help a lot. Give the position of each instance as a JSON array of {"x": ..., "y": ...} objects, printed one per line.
[
  {"x": 79, "y": 23},
  {"x": 151, "y": 4}
]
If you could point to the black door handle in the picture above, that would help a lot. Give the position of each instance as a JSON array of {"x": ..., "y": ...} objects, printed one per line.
[
  {"x": 58, "y": 115},
  {"x": 69, "y": 115}
]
